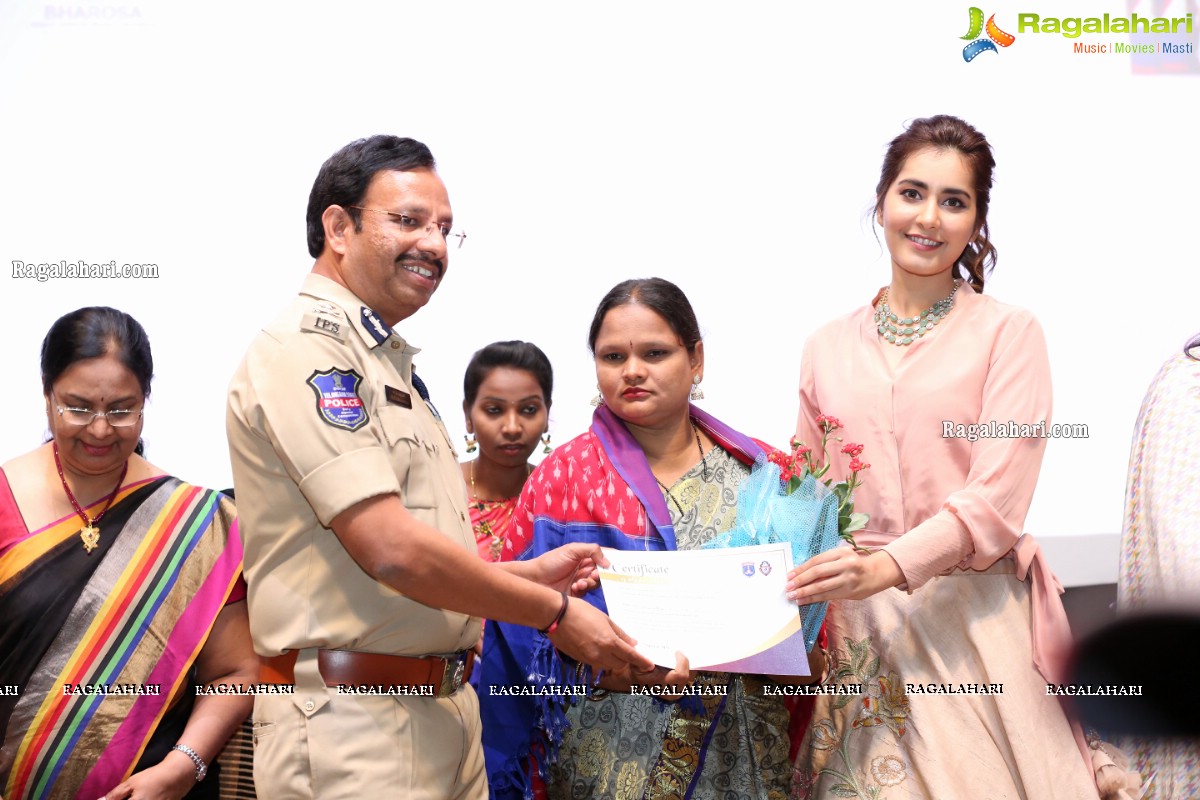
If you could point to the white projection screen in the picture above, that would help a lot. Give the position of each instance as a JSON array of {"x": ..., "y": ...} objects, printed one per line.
[{"x": 731, "y": 148}]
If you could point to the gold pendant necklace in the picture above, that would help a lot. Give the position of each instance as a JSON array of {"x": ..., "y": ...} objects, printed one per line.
[{"x": 89, "y": 533}]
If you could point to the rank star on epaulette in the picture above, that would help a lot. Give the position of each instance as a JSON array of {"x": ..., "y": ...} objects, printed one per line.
[
  {"x": 327, "y": 308},
  {"x": 338, "y": 401}
]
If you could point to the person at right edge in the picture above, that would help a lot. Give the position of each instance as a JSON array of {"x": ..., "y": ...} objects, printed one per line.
[
  {"x": 953, "y": 623},
  {"x": 1160, "y": 551},
  {"x": 364, "y": 589}
]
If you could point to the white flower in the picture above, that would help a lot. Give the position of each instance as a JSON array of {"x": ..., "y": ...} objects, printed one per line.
[{"x": 888, "y": 770}]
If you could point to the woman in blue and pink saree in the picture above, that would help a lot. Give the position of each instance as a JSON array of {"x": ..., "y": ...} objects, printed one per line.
[{"x": 653, "y": 472}]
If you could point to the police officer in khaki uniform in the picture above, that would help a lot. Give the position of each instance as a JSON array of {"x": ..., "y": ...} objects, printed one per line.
[{"x": 364, "y": 589}]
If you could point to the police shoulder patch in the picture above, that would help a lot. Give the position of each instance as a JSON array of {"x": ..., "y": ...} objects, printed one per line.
[{"x": 338, "y": 401}]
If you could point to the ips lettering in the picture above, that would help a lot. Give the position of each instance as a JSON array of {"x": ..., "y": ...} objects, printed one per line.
[{"x": 327, "y": 325}]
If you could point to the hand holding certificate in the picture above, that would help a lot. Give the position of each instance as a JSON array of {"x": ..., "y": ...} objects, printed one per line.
[{"x": 725, "y": 609}]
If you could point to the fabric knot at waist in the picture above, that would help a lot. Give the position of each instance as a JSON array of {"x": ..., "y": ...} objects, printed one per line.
[{"x": 1051, "y": 632}]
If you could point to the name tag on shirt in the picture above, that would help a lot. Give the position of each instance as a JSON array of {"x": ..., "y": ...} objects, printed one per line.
[{"x": 397, "y": 397}]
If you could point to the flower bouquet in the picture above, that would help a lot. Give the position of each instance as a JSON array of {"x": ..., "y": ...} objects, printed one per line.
[{"x": 785, "y": 500}]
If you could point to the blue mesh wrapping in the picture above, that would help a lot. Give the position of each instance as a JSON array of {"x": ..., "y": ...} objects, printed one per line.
[{"x": 807, "y": 519}]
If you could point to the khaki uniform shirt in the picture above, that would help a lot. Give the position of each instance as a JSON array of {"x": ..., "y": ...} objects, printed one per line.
[{"x": 323, "y": 415}]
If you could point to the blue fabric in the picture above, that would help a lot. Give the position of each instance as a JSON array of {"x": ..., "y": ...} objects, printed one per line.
[{"x": 515, "y": 726}]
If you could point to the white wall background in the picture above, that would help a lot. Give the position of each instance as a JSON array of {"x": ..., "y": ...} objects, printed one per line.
[{"x": 731, "y": 149}]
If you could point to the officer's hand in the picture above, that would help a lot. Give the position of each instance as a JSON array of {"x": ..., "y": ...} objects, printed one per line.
[
  {"x": 570, "y": 568},
  {"x": 587, "y": 634}
]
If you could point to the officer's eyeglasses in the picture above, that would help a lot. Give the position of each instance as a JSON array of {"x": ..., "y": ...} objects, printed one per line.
[{"x": 413, "y": 225}]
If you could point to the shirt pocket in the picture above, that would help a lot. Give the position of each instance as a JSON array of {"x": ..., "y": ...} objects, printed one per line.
[{"x": 410, "y": 454}]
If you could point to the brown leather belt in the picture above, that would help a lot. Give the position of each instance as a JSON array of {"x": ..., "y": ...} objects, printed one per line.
[{"x": 431, "y": 675}]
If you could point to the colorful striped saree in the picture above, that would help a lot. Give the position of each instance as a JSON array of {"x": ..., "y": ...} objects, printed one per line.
[{"x": 129, "y": 618}]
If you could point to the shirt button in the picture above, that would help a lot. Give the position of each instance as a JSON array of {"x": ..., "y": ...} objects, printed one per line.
[
  {"x": 310, "y": 705},
  {"x": 395, "y": 345}
]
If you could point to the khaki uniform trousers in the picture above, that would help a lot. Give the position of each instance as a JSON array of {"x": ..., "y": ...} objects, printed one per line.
[{"x": 318, "y": 743}]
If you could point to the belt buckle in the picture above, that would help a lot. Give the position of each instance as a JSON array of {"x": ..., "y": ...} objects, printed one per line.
[{"x": 452, "y": 675}]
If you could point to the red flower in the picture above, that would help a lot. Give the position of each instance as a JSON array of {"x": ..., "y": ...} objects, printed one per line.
[
  {"x": 858, "y": 466},
  {"x": 853, "y": 450},
  {"x": 828, "y": 423}
]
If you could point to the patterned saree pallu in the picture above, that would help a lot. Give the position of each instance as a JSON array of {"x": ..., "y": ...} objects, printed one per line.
[{"x": 103, "y": 642}]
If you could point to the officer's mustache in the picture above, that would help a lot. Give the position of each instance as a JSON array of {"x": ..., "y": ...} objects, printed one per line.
[{"x": 424, "y": 259}]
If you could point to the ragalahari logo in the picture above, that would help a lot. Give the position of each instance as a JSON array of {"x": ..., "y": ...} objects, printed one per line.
[{"x": 995, "y": 36}]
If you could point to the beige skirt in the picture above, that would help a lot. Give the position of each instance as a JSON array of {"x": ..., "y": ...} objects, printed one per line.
[{"x": 950, "y": 705}]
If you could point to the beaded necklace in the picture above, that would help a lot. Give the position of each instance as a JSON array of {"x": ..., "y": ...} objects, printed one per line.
[
  {"x": 484, "y": 528},
  {"x": 904, "y": 331},
  {"x": 90, "y": 532},
  {"x": 703, "y": 468}
]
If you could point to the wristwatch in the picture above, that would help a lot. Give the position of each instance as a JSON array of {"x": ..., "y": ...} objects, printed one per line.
[{"x": 201, "y": 767}]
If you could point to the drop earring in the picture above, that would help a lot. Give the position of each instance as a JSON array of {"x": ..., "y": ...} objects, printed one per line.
[
  {"x": 546, "y": 449},
  {"x": 598, "y": 400},
  {"x": 472, "y": 442},
  {"x": 696, "y": 393}
]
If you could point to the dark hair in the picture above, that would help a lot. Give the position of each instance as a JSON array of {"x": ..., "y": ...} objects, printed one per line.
[
  {"x": 662, "y": 297},
  {"x": 344, "y": 178},
  {"x": 94, "y": 332},
  {"x": 1193, "y": 343},
  {"x": 515, "y": 354},
  {"x": 944, "y": 132}
]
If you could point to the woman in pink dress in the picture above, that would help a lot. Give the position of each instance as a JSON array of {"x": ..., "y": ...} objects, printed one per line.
[
  {"x": 953, "y": 624},
  {"x": 506, "y": 400}
]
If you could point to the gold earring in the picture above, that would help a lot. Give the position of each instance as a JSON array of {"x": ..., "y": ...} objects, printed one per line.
[
  {"x": 546, "y": 449},
  {"x": 695, "y": 394},
  {"x": 472, "y": 442}
]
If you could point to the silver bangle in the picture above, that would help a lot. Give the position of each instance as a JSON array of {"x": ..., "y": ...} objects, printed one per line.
[{"x": 201, "y": 767}]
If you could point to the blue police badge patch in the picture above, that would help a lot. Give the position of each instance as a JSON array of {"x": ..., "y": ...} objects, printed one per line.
[
  {"x": 338, "y": 402},
  {"x": 748, "y": 569}
]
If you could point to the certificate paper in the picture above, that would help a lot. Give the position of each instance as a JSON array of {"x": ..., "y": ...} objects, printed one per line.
[{"x": 725, "y": 609}]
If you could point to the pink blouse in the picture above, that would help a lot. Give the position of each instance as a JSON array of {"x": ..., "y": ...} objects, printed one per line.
[{"x": 936, "y": 499}]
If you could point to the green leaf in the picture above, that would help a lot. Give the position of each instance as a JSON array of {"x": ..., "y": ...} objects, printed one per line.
[
  {"x": 843, "y": 790},
  {"x": 842, "y": 701},
  {"x": 873, "y": 668},
  {"x": 857, "y": 657},
  {"x": 856, "y": 523}
]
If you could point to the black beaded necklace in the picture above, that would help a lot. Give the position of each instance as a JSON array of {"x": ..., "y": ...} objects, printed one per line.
[{"x": 703, "y": 467}]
